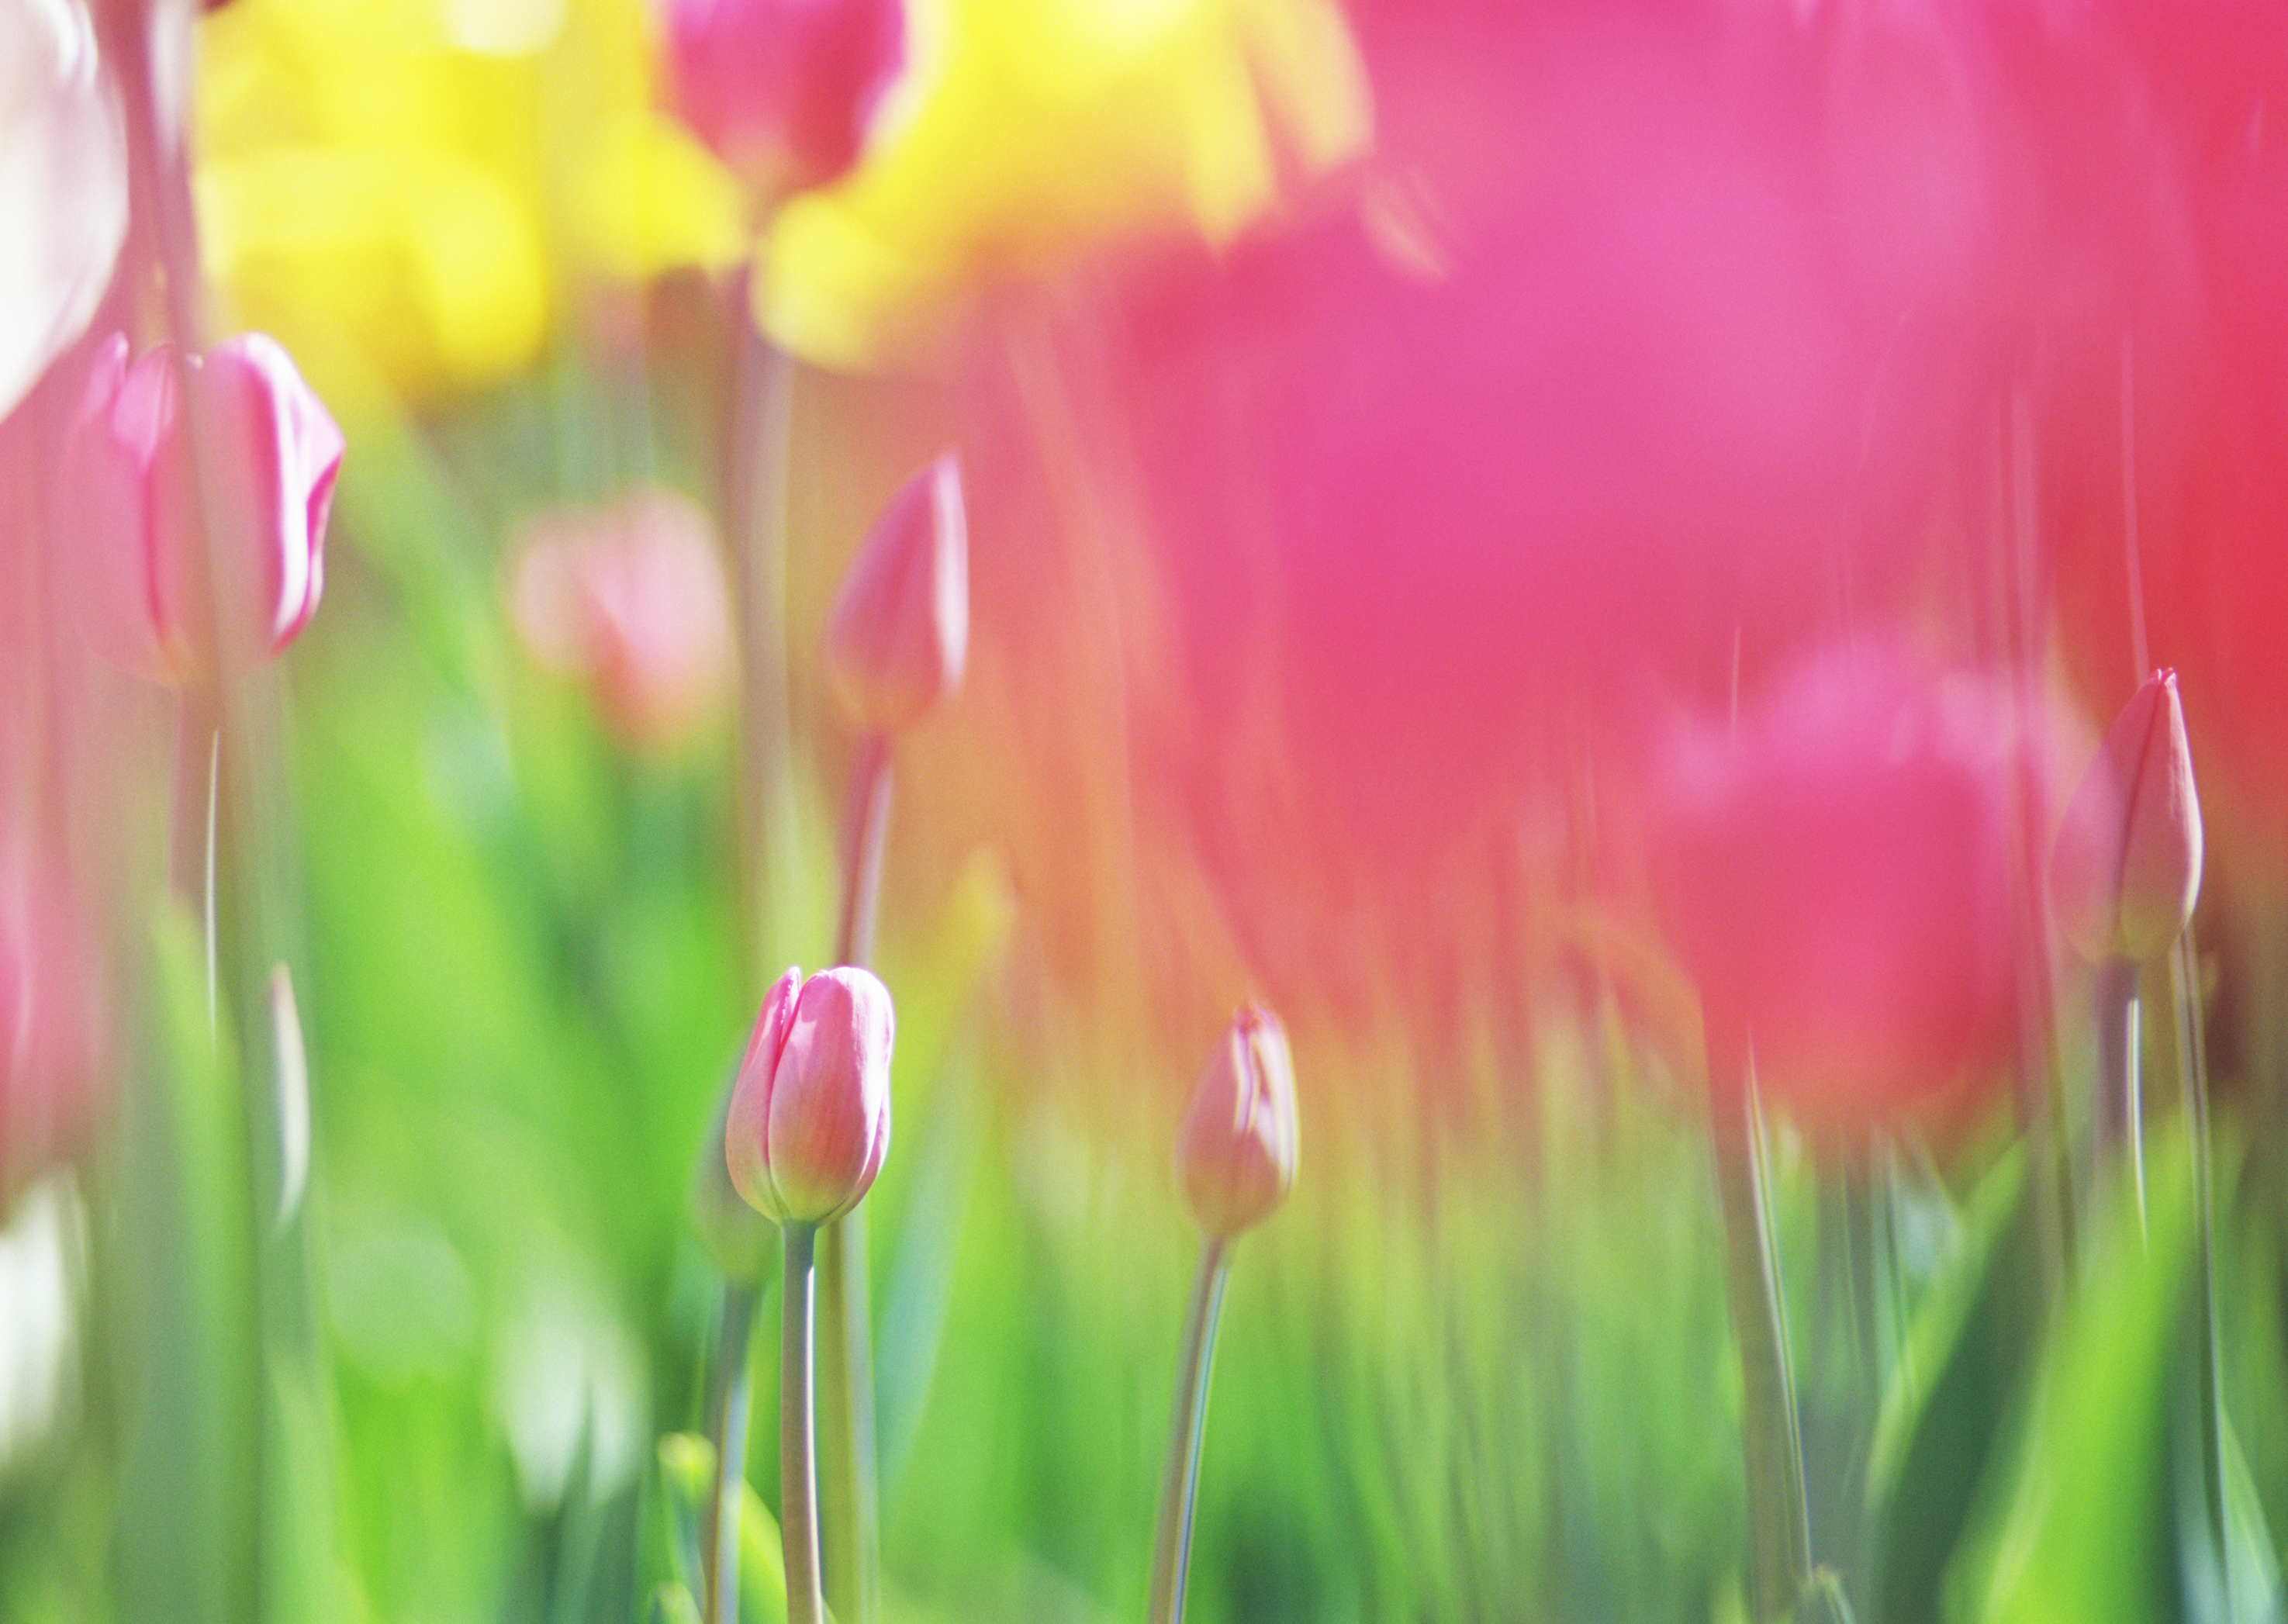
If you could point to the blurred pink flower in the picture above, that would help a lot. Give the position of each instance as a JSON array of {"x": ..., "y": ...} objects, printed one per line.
[
  {"x": 63, "y": 185},
  {"x": 52, "y": 1032},
  {"x": 899, "y": 633},
  {"x": 1236, "y": 1153},
  {"x": 1842, "y": 881},
  {"x": 782, "y": 90},
  {"x": 810, "y": 1114},
  {"x": 629, "y": 598},
  {"x": 274, "y": 450}
]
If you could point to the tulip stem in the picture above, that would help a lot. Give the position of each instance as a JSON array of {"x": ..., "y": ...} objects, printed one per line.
[
  {"x": 198, "y": 770},
  {"x": 2192, "y": 1068},
  {"x": 851, "y": 1526},
  {"x": 727, "y": 1420},
  {"x": 1179, "y": 1481},
  {"x": 865, "y": 832},
  {"x": 1771, "y": 1440},
  {"x": 2119, "y": 1109},
  {"x": 797, "y": 1452}
]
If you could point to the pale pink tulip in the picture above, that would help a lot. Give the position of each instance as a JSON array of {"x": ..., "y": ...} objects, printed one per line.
[
  {"x": 630, "y": 599},
  {"x": 1235, "y": 1154},
  {"x": 273, "y": 451},
  {"x": 810, "y": 1114}
]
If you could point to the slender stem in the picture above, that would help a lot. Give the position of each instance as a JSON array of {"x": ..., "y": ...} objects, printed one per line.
[
  {"x": 850, "y": 1529},
  {"x": 1180, "y": 1482},
  {"x": 865, "y": 832},
  {"x": 2120, "y": 1114},
  {"x": 849, "y": 1526},
  {"x": 2192, "y": 1068},
  {"x": 1771, "y": 1441},
  {"x": 198, "y": 770},
  {"x": 726, "y": 1421},
  {"x": 798, "y": 1456},
  {"x": 758, "y": 422}
]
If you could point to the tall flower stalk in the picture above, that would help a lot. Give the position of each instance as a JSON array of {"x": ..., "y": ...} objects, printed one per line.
[{"x": 1234, "y": 1164}]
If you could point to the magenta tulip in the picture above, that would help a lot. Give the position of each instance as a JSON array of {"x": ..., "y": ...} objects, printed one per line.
[{"x": 782, "y": 91}]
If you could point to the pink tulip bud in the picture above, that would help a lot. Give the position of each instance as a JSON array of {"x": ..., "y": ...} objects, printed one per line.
[
  {"x": 782, "y": 91},
  {"x": 2126, "y": 865},
  {"x": 273, "y": 451},
  {"x": 51, "y": 1026},
  {"x": 630, "y": 599},
  {"x": 1235, "y": 1154},
  {"x": 810, "y": 1114},
  {"x": 898, "y": 634}
]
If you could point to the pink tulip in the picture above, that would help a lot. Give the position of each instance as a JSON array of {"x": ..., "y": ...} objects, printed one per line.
[
  {"x": 1235, "y": 1155},
  {"x": 51, "y": 1034},
  {"x": 898, "y": 634},
  {"x": 1841, "y": 880},
  {"x": 630, "y": 599},
  {"x": 2126, "y": 867},
  {"x": 782, "y": 91},
  {"x": 810, "y": 1113},
  {"x": 273, "y": 451}
]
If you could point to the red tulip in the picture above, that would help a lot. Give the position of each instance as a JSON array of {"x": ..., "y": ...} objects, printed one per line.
[
  {"x": 782, "y": 90},
  {"x": 273, "y": 451},
  {"x": 810, "y": 1113},
  {"x": 1842, "y": 881},
  {"x": 1235, "y": 1155}
]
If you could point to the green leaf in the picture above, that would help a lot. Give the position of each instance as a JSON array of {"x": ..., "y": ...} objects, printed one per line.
[
  {"x": 1964, "y": 1357},
  {"x": 2077, "y": 1523}
]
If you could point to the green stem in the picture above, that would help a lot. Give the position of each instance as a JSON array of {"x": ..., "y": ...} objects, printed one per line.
[
  {"x": 850, "y": 1529},
  {"x": 727, "y": 1420},
  {"x": 1179, "y": 1481},
  {"x": 2120, "y": 1113},
  {"x": 2192, "y": 1068},
  {"x": 759, "y": 422},
  {"x": 1779, "y": 1519},
  {"x": 797, "y": 1453}
]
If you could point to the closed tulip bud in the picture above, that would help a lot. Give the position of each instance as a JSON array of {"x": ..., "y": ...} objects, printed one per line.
[
  {"x": 810, "y": 1114},
  {"x": 273, "y": 451},
  {"x": 782, "y": 91},
  {"x": 898, "y": 634},
  {"x": 2126, "y": 865},
  {"x": 1235, "y": 1155}
]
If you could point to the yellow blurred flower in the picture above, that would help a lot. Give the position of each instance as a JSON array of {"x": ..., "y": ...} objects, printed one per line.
[
  {"x": 1029, "y": 130},
  {"x": 401, "y": 190}
]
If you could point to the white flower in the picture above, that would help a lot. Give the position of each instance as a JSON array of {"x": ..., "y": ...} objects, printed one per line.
[{"x": 63, "y": 185}]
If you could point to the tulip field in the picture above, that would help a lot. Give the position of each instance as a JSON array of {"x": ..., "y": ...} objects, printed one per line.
[{"x": 1448, "y": 811}]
